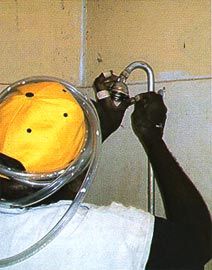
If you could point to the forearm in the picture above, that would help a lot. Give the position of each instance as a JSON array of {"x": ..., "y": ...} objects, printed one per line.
[
  {"x": 188, "y": 225},
  {"x": 183, "y": 203},
  {"x": 181, "y": 199},
  {"x": 106, "y": 122}
]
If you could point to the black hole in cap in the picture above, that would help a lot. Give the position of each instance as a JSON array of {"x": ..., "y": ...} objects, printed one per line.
[
  {"x": 29, "y": 94},
  {"x": 29, "y": 130},
  {"x": 64, "y": 90},
  {"x": 65, "y": 115}
]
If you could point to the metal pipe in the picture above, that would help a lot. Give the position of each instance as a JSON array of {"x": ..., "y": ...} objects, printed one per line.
[
  {"x": 140, "y": 65},
  {"x": 151, "y": 88}
]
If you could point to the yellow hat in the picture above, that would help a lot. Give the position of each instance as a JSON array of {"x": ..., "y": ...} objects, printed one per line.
[{"x": 42, "y": 126}]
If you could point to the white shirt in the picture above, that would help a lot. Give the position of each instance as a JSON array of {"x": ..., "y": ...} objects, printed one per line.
[{"x": 103, "y": 238}]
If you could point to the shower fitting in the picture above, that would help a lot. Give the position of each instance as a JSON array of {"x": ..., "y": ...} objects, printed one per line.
[{"x": 120, "y": 92}]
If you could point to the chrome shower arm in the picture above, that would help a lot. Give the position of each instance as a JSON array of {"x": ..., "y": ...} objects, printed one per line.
[
  {"x": 121, "y": 87},
  {"x": 139, "y": 65}
]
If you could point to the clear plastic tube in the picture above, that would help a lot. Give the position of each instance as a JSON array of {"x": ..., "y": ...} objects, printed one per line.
[{"x": 94, "y": 137}]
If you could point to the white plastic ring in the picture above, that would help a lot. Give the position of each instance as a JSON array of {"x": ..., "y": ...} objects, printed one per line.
[
  {"x": 102, "y": 94},
  {"x": 107, "y": 74}
]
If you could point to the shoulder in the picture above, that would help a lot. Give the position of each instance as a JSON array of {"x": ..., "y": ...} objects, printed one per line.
[
  {"x": 119, "y": 211},
  {"x": 121, "y": 221},
  {"x": 122, "y": 229}
]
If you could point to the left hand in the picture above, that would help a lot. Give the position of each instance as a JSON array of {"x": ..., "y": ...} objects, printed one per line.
[{"x": 110, "y": 113}]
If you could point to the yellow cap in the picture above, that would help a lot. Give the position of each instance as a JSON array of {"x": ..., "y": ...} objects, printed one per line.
[{"x": 42, "y": 125}]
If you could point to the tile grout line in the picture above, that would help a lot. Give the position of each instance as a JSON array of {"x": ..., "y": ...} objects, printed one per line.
[{"x": 82, "y": 64}]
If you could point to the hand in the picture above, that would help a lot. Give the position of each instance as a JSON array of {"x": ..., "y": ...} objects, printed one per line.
[
  {"x": 148, "y": 118},
  {"x": 110, "y": 113}
]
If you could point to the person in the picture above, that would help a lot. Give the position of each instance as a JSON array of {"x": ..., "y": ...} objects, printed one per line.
[{"x": 116, "y": 237}]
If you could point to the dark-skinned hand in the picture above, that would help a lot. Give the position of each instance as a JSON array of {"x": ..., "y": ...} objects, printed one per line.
[
  {"x": 148, "y": 118},
  {"x": 110, "y": 113}
]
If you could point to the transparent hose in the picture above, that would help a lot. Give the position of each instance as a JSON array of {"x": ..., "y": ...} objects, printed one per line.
[{"x": 94, "y": 137}]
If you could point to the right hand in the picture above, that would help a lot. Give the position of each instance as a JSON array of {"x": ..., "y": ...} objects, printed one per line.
[
  {"x": 110, "y": 114},
  {"x": 148, "y": 118}
]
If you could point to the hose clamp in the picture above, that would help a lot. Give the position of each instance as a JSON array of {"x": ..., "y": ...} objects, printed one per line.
[{"x": 102, "y": 94}]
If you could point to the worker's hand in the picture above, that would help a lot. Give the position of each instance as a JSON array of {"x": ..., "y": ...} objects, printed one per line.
[
  {"x": 110, "y": 113},
  {"x": 148, "y": 118}
]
